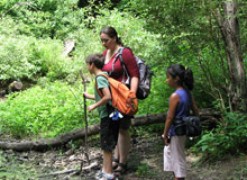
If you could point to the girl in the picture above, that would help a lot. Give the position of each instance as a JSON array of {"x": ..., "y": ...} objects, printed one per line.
[{"x": 180, "y": 104}]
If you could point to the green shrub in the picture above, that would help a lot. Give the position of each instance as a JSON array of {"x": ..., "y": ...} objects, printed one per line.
[
  {"x": 28, "y": 58},
  {"x": 43, "y": 111},
  {"x": 229, "y": 137}
]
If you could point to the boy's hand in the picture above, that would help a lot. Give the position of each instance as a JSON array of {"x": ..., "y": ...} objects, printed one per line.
[
  {"x": 90, "y": 108},
  {"x": 85, "y": 94}
]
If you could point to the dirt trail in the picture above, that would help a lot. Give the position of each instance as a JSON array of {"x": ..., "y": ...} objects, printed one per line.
[{"x": 145, "y": 162}]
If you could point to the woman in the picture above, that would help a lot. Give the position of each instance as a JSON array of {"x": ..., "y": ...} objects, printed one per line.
[{"x": 113, "y": 43}]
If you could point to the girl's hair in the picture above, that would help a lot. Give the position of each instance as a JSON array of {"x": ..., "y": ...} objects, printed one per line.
[
  {"x": 97, "y": 59},
  {"x": 186, "y": 78},
  {"x": 112, "y": 33}
]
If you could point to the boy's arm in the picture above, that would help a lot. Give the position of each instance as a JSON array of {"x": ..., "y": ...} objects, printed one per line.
[
  {"x": 88, "y": 96},
  {"x": 105, "y": 98}
]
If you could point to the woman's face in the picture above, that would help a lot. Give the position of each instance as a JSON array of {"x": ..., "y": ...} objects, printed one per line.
[{"x": 107, "y": 41}]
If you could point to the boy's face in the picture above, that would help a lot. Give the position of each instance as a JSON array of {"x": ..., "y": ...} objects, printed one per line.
[{"x": 89, "y": 67}]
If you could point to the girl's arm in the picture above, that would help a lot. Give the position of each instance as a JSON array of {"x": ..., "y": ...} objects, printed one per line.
[
  {"x": 106, "y": 97},
  {"x": 174, "y": 100}
]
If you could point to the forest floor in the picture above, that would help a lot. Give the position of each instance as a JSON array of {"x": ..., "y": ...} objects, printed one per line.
[{"x": 145, "y": 162}]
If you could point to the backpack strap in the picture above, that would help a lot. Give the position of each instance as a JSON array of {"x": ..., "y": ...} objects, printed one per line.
[
  {"x": 109, "y": 106},
  {"x": 96, "y": 84},
  {"x": 120, "y": 55}
]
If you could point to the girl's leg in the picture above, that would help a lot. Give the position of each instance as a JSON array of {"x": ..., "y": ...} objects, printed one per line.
[{"x": 176, "y": 178}]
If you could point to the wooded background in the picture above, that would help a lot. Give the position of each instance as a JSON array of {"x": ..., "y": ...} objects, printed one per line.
[{"x": 43, "y": 45}]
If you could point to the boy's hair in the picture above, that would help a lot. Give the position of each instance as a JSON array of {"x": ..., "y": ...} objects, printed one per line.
[
  {"x": 185, "y": 75},
  {"x": 96, "y": 59}
]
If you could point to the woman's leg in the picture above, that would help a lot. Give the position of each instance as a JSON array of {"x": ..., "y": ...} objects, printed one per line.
[{"x": 123, "y": 145}]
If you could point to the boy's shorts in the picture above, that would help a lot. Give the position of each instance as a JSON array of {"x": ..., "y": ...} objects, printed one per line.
[{"x": 108, "y": 134}]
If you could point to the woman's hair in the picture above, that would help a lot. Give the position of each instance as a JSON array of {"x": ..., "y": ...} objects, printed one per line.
[
  {"x": 97, "y": 59},
  {"x": 112, "y": 33},
  {"x": 186, "y": 78}
]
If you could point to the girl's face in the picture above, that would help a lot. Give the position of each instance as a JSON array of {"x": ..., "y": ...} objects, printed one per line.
[
  {"x": 172, "y": 82},
  {"x": 107, "y": 41}
]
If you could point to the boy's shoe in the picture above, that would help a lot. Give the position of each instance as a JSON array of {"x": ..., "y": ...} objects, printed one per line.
[
  {"x": 104, "y": 176},
  {"x": 99, "y": 174}
]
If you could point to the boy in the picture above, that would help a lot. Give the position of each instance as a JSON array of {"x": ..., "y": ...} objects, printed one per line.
[{"x": 108, "y": 128}]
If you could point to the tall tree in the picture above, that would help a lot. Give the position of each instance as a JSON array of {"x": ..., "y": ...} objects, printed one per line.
[
  {"x": 192, "y": 35},
  {"x": 229, "y": 26}
]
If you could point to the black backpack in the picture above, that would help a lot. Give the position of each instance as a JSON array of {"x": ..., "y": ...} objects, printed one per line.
[
  {"x": 145, "y": 72},
  {"x": 189, "y": 126}
]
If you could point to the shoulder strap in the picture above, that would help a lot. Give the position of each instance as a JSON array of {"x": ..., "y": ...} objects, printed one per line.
[
  {"x": 120, "y": 54},
  {"x": 120, "y": 51},
  {"x": 96, "y": 84}
]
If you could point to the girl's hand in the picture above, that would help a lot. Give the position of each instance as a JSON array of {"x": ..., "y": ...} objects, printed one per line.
[{"x": 166, "y": 139}]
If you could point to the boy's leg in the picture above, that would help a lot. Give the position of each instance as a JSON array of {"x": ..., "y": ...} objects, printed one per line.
[
  {"x": 107, "y": 159},
  {"x": 109, "y": 135}
]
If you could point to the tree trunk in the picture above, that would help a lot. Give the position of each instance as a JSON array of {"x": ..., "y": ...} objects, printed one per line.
[
  {"x": 208, "y": 117},
  {"x": 230, "y": 32}
]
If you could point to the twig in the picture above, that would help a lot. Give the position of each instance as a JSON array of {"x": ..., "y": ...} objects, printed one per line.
[
  {"x": 70, "y": 171},
  {"x": 59, "y": 173},
  {"x": 84, "y": 81}
]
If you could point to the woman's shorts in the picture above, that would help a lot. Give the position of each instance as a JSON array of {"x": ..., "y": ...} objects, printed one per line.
[
  {"x": 125, "y": 122},
  {"x": 109, "y": 130}
]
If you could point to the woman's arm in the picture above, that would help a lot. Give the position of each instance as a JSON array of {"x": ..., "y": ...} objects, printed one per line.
[
  {"x": 174, "y": 100},
  {"x": 134, "y": 84}
]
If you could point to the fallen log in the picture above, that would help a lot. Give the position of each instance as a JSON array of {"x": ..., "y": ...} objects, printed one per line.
[
  {"x": 46, "y": 144},
  {"x": 42, "y": 145}
]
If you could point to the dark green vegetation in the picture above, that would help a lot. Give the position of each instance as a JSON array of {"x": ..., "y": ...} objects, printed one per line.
[{"x": 32, "y": 35}]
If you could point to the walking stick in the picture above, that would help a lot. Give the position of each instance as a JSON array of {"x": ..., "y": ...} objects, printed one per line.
[{"x": 84, "y": 81}]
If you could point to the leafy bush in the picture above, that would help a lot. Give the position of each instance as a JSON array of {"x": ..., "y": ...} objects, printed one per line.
[
  {"x": 43, "y": 110},
  {"x": 27, "y": 58},
  {"x": 229, "y": 137}
]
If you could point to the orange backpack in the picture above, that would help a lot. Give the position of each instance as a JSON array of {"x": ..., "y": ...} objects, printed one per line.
[{"x": 123, "y": 99}]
